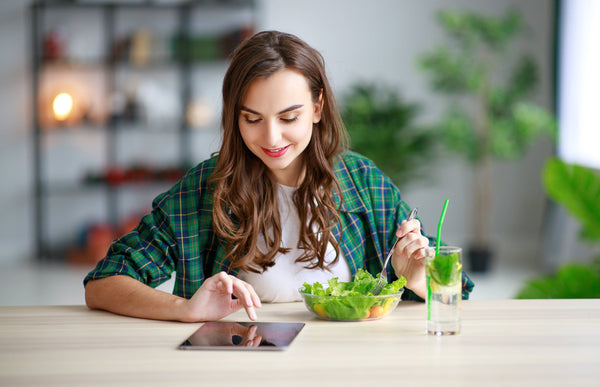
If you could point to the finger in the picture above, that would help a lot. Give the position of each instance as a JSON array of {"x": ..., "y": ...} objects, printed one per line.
[
  {"x": 408, "y": 226},
  {"x": 243, "y": 291},
  {"x": 412, "y": 245},
  {"x": 251, "y": 333},
  {"x": 224, "y": 282},
  {"x": 404, "y": 242},
  {"x": 419, "y": 248},
  {"x": 255, "y": 342},
  {"x": 255, "y": 298}
]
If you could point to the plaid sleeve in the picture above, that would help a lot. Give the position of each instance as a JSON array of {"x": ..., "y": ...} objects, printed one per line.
[{"x": 147, "y": 253}]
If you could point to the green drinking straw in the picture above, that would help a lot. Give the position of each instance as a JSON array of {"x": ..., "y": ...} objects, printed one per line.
[
  {"x": 439, "y": 229},
  {"x": 437, "y": 251}
]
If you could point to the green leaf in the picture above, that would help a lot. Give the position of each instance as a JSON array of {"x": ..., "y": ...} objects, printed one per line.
[
  {"x": 533, "y": 121},
  {"x": 572, "y": 280},
  {"x": 459, "y": 134},
  {"x": 578, "y": 189},
  {"x": 381, "y": 127},
  {"x": 470, "y": 28},
  {"x": 524, "y": 77},
  {"x": 445, "y": 269}
]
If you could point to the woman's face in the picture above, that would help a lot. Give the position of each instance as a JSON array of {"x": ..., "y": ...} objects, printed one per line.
[{"x": 276, "y": 120}]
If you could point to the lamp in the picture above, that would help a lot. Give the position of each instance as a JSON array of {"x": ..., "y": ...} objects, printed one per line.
[{"x": 62, "y": 105}]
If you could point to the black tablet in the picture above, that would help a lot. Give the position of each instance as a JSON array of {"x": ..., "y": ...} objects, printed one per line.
[{"x": 228, "y": 335}]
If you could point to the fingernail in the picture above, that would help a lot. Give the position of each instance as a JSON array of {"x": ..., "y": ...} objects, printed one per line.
[{"x": 252, "y": 313}]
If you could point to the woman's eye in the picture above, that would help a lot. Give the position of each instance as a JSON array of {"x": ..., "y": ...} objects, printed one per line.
[
  {"x": 251, "y": 120},
  {"x": 289, "y": 119}
]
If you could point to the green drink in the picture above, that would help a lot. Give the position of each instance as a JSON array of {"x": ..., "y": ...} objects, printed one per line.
[{"x": 444, "y": 282}]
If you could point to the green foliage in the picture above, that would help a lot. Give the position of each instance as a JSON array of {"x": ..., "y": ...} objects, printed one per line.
[
  {"x": 494, "y": 119},
  {"x": 572, "y": 280},
  {"x": 577, "y": 189},
  {"x": 381, "y": 127}
]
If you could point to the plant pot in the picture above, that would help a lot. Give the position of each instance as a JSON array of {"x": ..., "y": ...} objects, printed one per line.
[{"x": 479, "y": 258}]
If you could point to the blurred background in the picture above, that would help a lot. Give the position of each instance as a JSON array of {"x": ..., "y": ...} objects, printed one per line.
[{"x": 105, "y": 104}]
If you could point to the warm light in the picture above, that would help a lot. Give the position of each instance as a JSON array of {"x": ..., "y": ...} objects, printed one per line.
[{"x": 62, "y": 106}]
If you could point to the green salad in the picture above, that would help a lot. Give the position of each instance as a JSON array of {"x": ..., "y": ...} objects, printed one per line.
[{"x": 352, "y": 300}]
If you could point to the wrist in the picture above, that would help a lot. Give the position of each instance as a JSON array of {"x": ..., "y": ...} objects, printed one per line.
[
  {"x": 419, "y": 287},
  {"x": 183, "y": 312}
]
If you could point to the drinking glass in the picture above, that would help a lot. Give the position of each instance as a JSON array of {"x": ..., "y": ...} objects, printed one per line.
[{"x": 444, "y": 290}]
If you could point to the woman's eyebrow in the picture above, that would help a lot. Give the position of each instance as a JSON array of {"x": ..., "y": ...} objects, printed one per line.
[{"x": 288, "y": 109}]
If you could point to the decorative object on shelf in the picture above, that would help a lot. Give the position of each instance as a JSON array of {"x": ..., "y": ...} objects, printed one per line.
[
  {"x": 489, "y": 115},
  {"x": 135, "y": 174},
  {"x": 200, "y": 115},
  {"x": 141, "y": 47},
  {"x": 198, "y": 48},
  {"x": 95, "y": 239},
  {"x": 54, "y": 46}
]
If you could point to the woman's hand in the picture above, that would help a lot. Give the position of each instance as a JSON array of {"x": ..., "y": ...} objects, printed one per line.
[
  {"x": 213, "y": 300},
  {"x": 408, "y": 258},
  {"x": 226, "y": 333}
]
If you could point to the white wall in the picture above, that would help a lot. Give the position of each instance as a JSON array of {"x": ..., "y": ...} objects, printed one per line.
[
  {"x": 15, "y": 128},
  {"x": 360, "y": 39},
  {"x": 380, "y": 40}
]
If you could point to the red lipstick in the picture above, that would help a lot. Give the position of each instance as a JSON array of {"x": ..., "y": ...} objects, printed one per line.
[{"x": 276, "y": 152}]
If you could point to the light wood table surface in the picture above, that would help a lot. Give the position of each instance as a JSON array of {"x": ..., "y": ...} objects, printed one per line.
[{"x": 504, "y": 342}]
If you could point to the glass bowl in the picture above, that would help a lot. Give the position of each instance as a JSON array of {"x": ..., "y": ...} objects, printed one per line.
[{"x": 351, "y": 308}]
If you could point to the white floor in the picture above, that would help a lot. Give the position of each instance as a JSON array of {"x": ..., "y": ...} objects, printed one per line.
[{"x": 32, "y": 283}]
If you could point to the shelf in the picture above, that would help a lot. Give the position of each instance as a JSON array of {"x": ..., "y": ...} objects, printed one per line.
[{"x": 142, "y": 80}]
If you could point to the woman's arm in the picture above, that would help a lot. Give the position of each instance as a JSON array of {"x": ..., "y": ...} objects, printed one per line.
[
  {"x": 213, "y": 300},
  {"x": 127, "y": 296}
]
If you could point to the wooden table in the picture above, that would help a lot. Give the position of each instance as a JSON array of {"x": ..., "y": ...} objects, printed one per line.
[{"x": 505, "y": 342}]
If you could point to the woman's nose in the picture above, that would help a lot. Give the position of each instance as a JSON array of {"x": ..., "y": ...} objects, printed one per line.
[{"x": 272, "y": 133}]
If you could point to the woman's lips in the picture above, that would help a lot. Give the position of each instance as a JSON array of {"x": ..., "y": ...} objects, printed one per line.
[{"x": 276, "y": 152}]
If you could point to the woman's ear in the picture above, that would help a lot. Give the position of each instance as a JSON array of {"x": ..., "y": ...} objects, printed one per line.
[{"x": 318, "y": 108}]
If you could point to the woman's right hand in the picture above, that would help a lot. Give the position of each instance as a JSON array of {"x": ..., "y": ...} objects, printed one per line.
[{"x": 213, "y": 300}]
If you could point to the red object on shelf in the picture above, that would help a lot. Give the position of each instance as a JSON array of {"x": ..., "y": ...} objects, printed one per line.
[
  {"x": 97, "y": 240},
  {"x": 54, "y": 47}
]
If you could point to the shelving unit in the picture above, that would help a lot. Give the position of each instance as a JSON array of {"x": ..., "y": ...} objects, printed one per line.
[{"x": 144, "y": 79}]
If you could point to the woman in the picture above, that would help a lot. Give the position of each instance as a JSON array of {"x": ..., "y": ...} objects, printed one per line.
[{"x": 282, "y": 203}]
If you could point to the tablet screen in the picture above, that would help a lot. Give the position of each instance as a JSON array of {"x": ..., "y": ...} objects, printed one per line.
[{"x": 229, "y": 335}]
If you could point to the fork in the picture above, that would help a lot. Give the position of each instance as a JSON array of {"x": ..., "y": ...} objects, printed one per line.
[{"x": 382, "y": 281}]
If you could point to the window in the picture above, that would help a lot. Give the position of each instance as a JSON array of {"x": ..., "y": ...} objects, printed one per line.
[{"x": 579, "y": 82}]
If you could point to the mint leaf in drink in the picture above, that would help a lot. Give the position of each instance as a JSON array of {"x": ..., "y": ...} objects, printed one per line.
[{"x": 445, "y": 269}]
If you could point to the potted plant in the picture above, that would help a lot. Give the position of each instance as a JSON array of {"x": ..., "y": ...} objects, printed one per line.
[
  {"x": 489, "y": 115},
  {"x": 381, "y": 127},
  {"x": 577, "y": 189}
]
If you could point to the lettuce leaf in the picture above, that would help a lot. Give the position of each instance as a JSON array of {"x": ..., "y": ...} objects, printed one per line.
[{"x": 349, "y": 300}]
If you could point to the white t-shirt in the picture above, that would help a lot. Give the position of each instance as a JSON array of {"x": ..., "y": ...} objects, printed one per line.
[{"x": 280, "y": 283}]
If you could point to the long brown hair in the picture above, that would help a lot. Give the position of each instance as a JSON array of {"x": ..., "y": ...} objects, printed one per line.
[{"x": 245, "y": 192}]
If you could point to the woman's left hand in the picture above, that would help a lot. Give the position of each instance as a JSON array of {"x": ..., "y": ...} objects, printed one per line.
[{"x": 408, "y": 258}]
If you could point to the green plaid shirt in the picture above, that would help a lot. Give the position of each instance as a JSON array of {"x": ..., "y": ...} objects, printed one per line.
[{"x": 178, "y": 234}]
